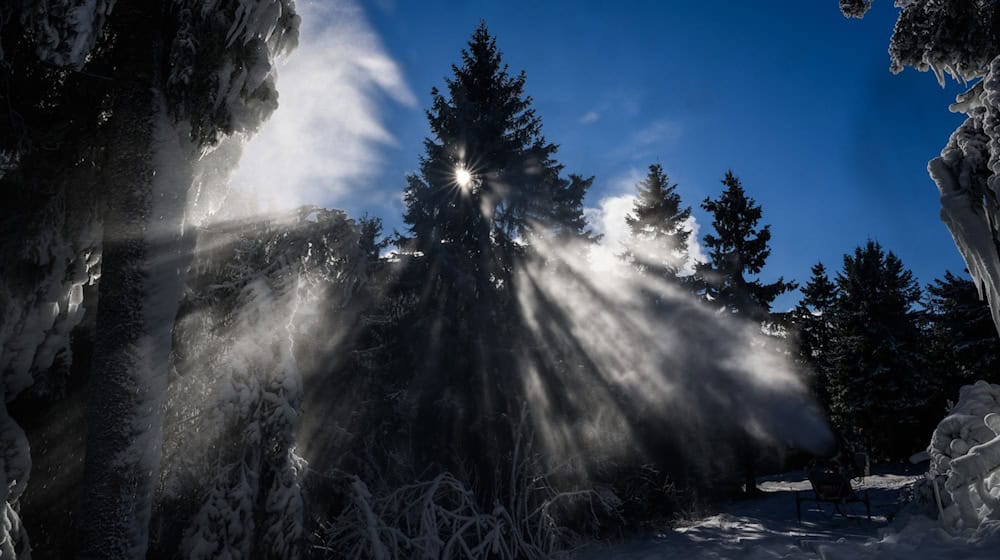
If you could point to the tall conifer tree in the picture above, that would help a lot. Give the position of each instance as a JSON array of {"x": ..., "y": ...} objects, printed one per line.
[
  {"x": 737, "y": 251},
  {"x": 567, "y": 217},
  {"x": 487, "y": 172},
  {"x": 486, "y": 179},
  {"x": 813, "y": 321},
  {"x": 658, "y": 225},
  {"x": 878, "y": 381},
  {"x": 964, "y": 342}
]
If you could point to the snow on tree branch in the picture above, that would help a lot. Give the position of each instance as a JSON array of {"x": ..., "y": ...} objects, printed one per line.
[
  {"x": 965, "y": 458},
  {"x": 65, "y": 30},
  {"x": 961, "y": 39},
  {"x": 855, "y": 8},
  {"x": 239, "y": 381},
  {"x": 62, "y": 256},
  {"x": 222, "y": 62}
]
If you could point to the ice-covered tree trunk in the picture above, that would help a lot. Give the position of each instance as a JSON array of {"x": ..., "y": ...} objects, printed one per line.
[
  {"x": 116, "y": 488},
  {"x": 966, "y": 174},
  {"x": 145, "y": 192}
]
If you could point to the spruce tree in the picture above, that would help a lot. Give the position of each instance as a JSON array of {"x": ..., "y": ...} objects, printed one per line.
[
  {"x": 737, "y": 251},
  {"x": 486, "y": 179},
  {"x": 567, "y": 218},
  {"x": 488, "y": 171},
  {"x": 658, "y": 225},
  {"x": 878, "y": 380},
  {"x": 964, "y": 342},
  {"x": 813, "y": 322}
]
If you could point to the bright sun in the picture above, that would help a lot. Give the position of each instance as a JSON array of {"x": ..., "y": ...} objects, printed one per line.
[{"x": 463, "y": 177}]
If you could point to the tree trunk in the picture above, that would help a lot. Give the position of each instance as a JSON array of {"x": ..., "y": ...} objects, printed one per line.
[{"x": 138, "y": 293}]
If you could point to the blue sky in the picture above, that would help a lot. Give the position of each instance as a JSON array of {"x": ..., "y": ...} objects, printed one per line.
[{"x": 796, "y": 99}]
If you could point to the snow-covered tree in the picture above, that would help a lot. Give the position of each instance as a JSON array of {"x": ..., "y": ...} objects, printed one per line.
[
  {"x": 960, "y": 39},
  {"x": 659, "y": 227},
  {"x": 260, "y": 288},
  {"x": 86, "y": 80},
  {"x": 50, "y": 229},
  {"x": 158, "y": 125},
  {"x": 855, "y": 8}
]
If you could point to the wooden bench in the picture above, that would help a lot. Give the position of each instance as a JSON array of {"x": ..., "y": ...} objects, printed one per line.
[{"x": 831, "y": 485}]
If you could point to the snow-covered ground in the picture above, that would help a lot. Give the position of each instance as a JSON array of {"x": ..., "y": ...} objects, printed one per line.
[{"x": 767, "y": 528}]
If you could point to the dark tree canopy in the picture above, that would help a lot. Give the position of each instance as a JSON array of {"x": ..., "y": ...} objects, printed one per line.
[
  {"x": 658, "y": 224},
  {"x": 964, "y": 340},
  {"x": 814, "y": 327},
  {"x": 483, "y": 124},
  {"x": 879, "y": 383},
  {"x": 567, "y": 217},
  {"x": 487, "y": 183},
  {"x": 737, "y": 251}
]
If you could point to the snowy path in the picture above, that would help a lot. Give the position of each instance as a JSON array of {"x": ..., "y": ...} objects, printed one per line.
[{"x": 766, "y": 528}]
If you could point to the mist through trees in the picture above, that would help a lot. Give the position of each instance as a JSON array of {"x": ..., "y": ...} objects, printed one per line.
[{"x": 187, "y": 376}]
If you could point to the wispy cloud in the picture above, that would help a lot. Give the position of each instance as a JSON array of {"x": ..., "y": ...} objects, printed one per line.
[
  {"x": 649, "y": 141},
  {"x": 387, "y": 6},
  {"x": 590, "y": 117},
  {"x": 327, "y": 136},
  {"x": 659, "y": 131}
]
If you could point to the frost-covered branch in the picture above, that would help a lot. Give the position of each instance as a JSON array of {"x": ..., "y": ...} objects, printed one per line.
[
  {"x": 442, "y": 518},
  {"x": 239, "y": 386},
  {"x": 64, "y": 31},
  {"x": 965, "y": 458},
  {"x": 855, "y": 8},
  {"x": 960, "y": 39}
]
